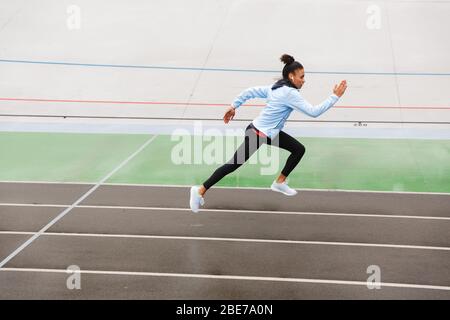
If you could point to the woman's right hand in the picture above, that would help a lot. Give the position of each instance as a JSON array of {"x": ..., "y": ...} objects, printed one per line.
[
  {"x": 229, "y": 114},
  {"x": 340, "y": 89}
]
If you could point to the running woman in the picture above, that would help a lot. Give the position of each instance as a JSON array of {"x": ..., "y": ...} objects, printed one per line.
[{"x": 282, "y": 98}]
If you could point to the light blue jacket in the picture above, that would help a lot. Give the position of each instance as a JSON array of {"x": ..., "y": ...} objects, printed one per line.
[{"x": 280, "y": 103}]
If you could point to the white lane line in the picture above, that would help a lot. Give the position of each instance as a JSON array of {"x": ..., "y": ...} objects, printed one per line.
[
  {"x": 47, "y": 182},
  {"x": 33, "y": 205},
  {"x": 268, "y": 189},
  {"x": 187, "y": 238},
  {"x": 222, "y": 187},
  {"x": 361, "y": 215},
  {"x": 16, "y": 232},
  {"x": 233, "y": 277},
  {"x": 62, "y": 214}
]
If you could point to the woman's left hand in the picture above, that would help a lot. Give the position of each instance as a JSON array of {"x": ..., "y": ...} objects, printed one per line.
[{"x": 229, "y": 114}]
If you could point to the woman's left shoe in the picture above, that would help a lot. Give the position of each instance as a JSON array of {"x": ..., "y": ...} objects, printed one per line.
[{"x": 283, "y": 188}]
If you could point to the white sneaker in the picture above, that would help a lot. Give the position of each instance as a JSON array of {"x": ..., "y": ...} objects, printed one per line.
[
  {"x": 283, "y": 188},
  {"x": 196, "y": 199}
]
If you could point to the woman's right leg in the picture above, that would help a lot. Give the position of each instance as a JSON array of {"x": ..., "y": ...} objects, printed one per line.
[{"x": 251, "y": 143}]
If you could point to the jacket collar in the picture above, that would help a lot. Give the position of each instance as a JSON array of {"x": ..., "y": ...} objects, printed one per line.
[{"x": 283, "y": 82}]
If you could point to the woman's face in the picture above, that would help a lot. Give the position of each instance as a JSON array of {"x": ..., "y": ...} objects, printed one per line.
[{"x": 297, "y": 77}]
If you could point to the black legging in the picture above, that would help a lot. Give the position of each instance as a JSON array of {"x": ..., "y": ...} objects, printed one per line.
[{"x": 253, "y": 140}]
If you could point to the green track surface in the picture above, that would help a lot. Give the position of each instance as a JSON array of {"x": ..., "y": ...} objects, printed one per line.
[{"x": 329, "y": 163}]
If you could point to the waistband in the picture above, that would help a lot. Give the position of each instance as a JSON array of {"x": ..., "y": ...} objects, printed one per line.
[{"x": 258, "y": 133}]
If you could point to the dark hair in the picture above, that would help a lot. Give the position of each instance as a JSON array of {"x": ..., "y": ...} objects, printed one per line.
[{"x": 290, "y": 65}]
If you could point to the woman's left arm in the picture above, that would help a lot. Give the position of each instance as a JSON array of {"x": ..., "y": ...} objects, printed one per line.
[{"x": 250, "y": 93}]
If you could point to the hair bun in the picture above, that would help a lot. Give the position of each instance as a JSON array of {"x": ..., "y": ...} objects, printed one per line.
[{"x": 287, "y": 59}]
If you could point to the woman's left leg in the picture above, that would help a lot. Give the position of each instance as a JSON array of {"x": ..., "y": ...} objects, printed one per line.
[{"x": 297, "y": 150}]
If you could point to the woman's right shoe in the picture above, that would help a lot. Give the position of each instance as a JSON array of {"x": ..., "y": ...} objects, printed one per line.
[{"x": 196, "y": 199}]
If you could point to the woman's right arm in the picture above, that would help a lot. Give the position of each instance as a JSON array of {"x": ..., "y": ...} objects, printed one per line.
[{"x": 297, "y": 102}]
